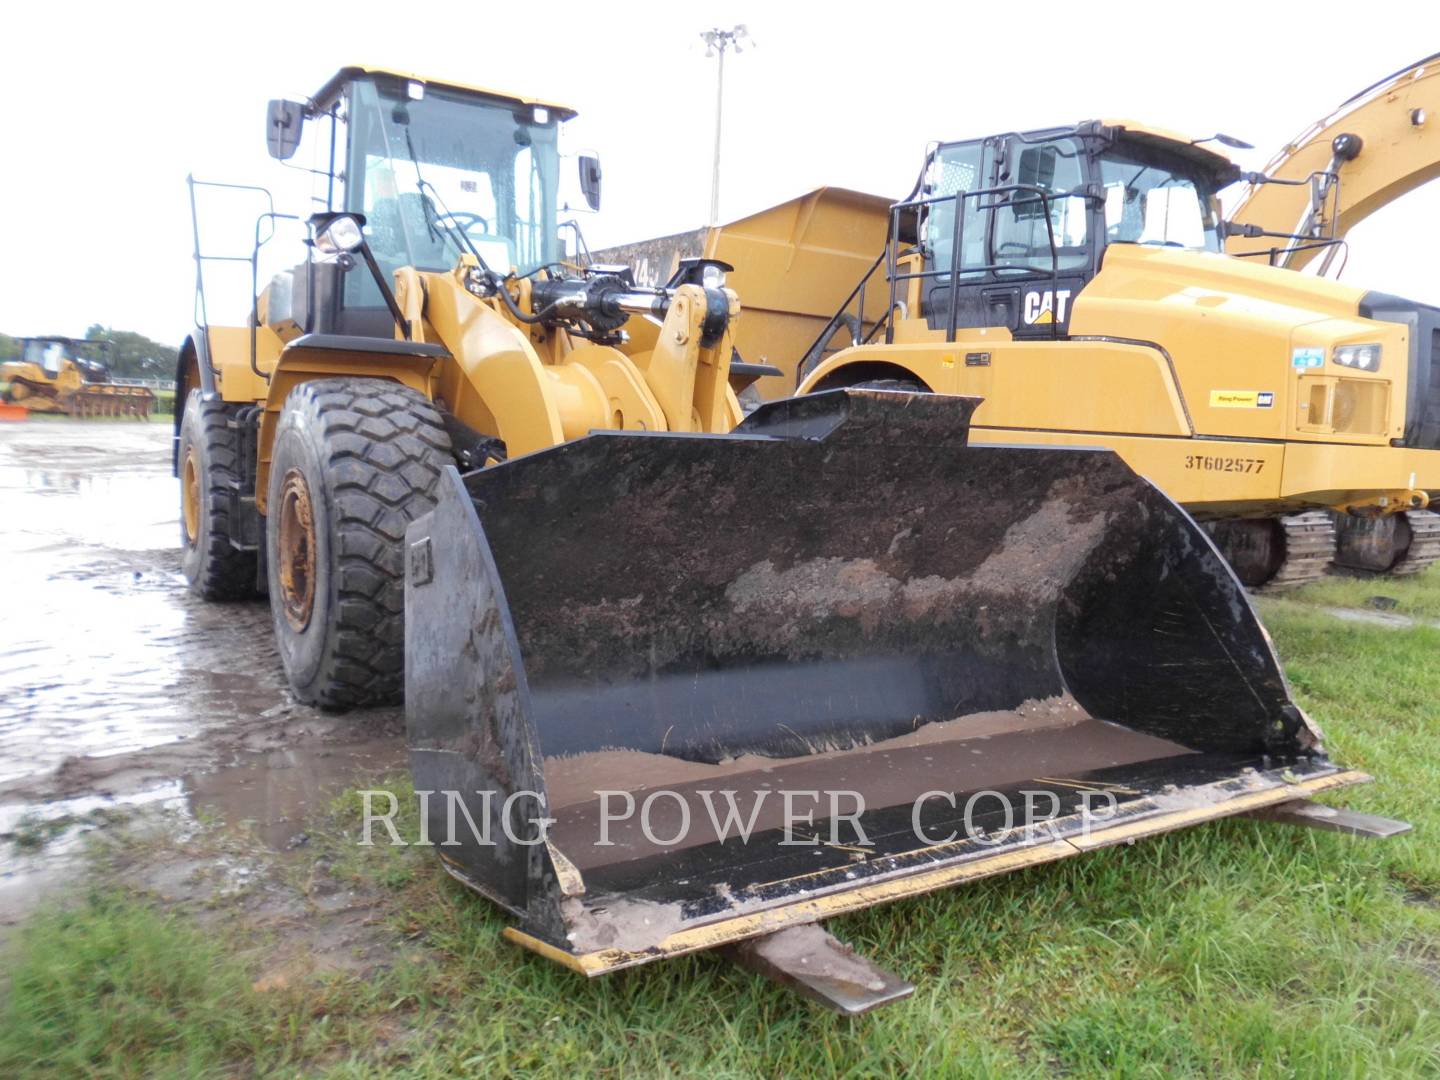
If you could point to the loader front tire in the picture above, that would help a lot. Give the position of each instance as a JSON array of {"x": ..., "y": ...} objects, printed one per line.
[
  {"x": 355, "y": 460},
  {"x": 210, "y": 469}
]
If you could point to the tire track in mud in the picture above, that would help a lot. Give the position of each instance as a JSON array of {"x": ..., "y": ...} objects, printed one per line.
[{"x": 117, "y": 679}]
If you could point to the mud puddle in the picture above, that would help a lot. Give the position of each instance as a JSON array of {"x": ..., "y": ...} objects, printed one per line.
[
  {"x": 123, "y": 692},
  {"x": 273, "y": 793},
  {"x": 1389, "y": 620}
]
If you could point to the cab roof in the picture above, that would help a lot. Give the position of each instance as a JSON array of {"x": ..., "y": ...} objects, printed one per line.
[
  {"x": 1213, "y": 161},
  {"x": 331, "y": 90}
]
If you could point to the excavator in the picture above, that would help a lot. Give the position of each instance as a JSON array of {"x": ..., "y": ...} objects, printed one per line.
[
  {"x": 70, "y": 376},
  {"x": 522, "y": 487},
  {"x": 1378, "y": 146}
]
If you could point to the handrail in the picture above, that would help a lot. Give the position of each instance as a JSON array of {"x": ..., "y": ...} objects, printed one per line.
[
  {"x": 957, "y": 237},
  {"x": 202, "y": 315},
  {"x": 889, "y": 258},
  {"x": 817, "y": 346}
]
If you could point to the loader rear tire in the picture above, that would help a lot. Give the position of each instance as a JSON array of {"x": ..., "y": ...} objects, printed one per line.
[
  {"x": 355, "y": 460},
  {"x": 210, "y": 468}
]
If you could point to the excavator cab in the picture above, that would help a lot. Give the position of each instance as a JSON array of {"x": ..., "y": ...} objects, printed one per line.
[{"x": 1031, "y": 214}]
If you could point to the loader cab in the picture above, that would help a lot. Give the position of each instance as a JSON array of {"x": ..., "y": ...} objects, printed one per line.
[
  {"x": 434, "y": 170},
  {"x": 1031, "y": 215}
]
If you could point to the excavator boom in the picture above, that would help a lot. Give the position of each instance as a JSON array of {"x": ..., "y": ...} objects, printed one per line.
[{"x": 1376, "y": 147}]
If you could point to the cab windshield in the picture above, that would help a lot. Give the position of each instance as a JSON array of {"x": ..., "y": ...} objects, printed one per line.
[
  {"x": 1155, "y": 199},
  {"x": 432, "y": 172},
  {"x": 48, "y": 354}
]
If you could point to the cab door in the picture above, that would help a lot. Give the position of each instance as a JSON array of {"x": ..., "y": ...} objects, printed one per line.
[{"x": 1026, "y": 237}]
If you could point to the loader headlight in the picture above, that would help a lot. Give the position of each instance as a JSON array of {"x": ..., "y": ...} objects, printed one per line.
[
  {"x": 1364, "y": 357},
  {"x": 712, "y": 277},
  {"x": 340, "y": 235}
]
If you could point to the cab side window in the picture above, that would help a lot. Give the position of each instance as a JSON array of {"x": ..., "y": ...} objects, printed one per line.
[
  {"x": 962, "y": 168},
  {"x": 1052, "y": 205}
]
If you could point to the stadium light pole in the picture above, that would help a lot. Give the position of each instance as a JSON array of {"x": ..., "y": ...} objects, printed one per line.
[{"x": 717, "y": 41}]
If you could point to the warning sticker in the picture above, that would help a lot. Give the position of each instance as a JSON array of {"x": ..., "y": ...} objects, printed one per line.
[
  {"x": 1307, "y": 358},
  {"x": 1242, "y": 399}
]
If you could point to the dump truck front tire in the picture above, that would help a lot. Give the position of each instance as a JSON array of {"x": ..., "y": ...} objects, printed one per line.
[
  {"x": 210, "y": 468},
  {"x": 355, "y": 461}
]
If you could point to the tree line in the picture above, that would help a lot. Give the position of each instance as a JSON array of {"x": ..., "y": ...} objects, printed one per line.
[{"x": 132, "y": 355}]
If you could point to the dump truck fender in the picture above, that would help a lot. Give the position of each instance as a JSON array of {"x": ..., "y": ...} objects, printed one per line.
[{"x": 844, "y": 370}]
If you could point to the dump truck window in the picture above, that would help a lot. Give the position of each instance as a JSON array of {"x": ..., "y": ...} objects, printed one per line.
[
  {"x": 958, "y": 168},
  {"x": 1022, "y": 238},
  {"x": 1152, "y": 199},
  {"x": 424, "y": 170}
]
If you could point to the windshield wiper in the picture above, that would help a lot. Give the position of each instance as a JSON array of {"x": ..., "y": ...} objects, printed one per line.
[{"x": 429, "y": 197}]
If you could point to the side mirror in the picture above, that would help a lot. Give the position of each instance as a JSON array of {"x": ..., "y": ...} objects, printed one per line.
[
  {"x": 590, "y": 179},
  {"x": 283, "y": 121}
]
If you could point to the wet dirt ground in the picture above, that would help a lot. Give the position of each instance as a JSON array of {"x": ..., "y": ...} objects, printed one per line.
[{"x": 120, "y": 688}]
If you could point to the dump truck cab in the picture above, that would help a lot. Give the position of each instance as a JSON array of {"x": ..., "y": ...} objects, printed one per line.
[
  {"x": 1032, "y": 215},
  {"x": 1075, "y": 279}
]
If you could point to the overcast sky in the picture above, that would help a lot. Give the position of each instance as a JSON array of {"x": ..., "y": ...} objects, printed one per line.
[{"x": 115, "y": 103}]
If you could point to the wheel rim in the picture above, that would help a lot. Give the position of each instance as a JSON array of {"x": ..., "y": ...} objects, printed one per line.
[
  {"x": 296, "y": 551},
  {"x": 190, "y": 498}
]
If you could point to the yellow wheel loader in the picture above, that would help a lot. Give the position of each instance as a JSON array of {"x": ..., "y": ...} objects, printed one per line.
[
  {"x": 674, "y": 680},
  {"x": 432, "y": 323},
  {"x": 66, "y": 375},
  {"x": 1074, "y": 279}
]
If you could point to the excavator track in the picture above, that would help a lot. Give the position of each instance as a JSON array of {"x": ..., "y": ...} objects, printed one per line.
[
  {"x": 1399, "y": 546},
  {"x": 1274, "y": 554},
  {"x": 1309, "y": 541},
  {"x": 1424, "y": 548}
]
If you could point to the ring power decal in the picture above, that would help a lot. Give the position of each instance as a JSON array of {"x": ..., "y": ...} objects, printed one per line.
[{"x": 1242, "y": 399}]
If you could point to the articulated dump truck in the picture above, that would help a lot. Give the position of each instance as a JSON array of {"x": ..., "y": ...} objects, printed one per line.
[{"x": 708, "y": 690}]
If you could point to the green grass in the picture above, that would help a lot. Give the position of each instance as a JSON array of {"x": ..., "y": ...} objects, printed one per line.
[
  {"x": 1232, "y": 949},
  {"x": 112, "y": 988},
  {"x": 1417, "y": 596}
]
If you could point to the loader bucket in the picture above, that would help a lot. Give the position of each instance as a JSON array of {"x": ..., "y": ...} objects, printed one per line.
[{"x": 909, "y": 661}]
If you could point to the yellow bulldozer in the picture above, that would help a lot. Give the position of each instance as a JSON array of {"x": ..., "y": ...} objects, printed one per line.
[
  {"x": 70, "y": 376},
  {"x": 526, "y": 491}
]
